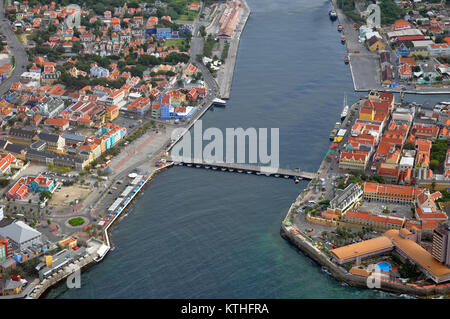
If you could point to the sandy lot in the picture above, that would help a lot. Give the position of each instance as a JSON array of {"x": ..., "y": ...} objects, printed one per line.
[{"x": 75, "y": 192}]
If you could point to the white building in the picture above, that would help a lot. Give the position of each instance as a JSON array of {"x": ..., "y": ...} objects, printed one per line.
[
  {"x": 406, "y": 162},
  {"x": 30, "y": 77},
  {"x": 438, "y": 49},
  {"x": 21, "y": 235}
]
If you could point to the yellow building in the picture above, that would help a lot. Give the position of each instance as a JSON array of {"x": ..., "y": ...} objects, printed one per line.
[
  {"x": 366, "y": 114},
  {"x": 68, "y": 243},
  {"x": 12, "y": 287},
  {"x": 112, "y": 113},
  {"x": 375, "y": 44},
  {"x": 48, "y": 260},
  {"x": 100, "y": 118}
]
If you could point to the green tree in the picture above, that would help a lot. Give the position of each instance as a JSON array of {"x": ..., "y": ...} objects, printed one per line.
[
  {"x": 45, "y": 194},
  {"x": 434, "y": 164}
]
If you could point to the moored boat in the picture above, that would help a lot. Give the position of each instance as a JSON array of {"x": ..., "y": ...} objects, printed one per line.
[
  {"x": 340, "y": 28},
  {"x": 346, "y": 59},
  {"x": 345, "y": 109},
  {"x": 332, "y": 14},
  {"x": 333, "y": 134}
]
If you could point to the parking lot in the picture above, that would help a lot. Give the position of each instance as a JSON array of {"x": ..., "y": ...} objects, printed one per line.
[
  {"x": 395, "y": 209},
  {"x": 365, "y": 71},
  {"x": 128, "y": 121}
]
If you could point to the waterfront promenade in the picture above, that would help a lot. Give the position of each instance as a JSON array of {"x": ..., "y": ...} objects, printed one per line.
[{"x": 225, "y": 74}]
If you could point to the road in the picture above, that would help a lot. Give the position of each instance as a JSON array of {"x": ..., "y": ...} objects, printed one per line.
[
  {"x": 197, "y": 48},
  {"x": 16, "y": 49}
]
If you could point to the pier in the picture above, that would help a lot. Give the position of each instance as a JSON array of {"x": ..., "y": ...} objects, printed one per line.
[
  {"x": 225, "y": 79},
  {"x": 296, "y": 174}
]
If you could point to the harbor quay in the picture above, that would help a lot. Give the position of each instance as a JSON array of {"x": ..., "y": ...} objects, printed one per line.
[
  {"x": 225, "y": 75},
  {"x": 397, "y": 57}
]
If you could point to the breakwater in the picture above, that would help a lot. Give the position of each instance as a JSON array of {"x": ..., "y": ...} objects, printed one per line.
[{"x": 302, "y": 242}]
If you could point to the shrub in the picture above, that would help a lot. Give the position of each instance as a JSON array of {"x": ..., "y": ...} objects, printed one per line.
[{"x": 76, "y": 221}]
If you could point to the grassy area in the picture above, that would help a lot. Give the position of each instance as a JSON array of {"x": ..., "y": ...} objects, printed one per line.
[
  {"x": 77, "y": 221},
  {"x": 208, "y": 46},
  {"x": 59, "y": 169},
  {"x": 226, "y": 47},
  {"x": 22, "y": 38},
  {"x": 189, "y": 16},
  {"x": 181, "y": 44},
  {"x": 172, "y": 42},
  {"x": 178, "y": 10}
]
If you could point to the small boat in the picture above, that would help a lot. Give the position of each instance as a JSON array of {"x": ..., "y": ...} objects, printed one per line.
[
  {"x": 223, "y": 169},
  {"x": 345, "y": 109},
  {"x": 219, "y": 102},
  {"x": 332, "y": 14},
  {"x": 333, "y": 134},
  {"x": 277, "y": 175},
  {"x": 240, "y": 171},
  {"x": 296, "y": 180},
  {"x": 346, "y": 59},
  {"x": 343, "y": 39},
  {"x": 214, "y": 168},
  {"x": 337, "y": 125},
  {"x": 340, "y": 28}
]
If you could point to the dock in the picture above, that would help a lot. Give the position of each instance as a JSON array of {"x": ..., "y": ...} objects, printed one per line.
[
  {"x": 248, "y": 169},
  {"x": 224, "y": 82},
  {"x": 124, "y": 203}
]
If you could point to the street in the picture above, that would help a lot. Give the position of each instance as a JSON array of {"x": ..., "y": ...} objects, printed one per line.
[{"x": 16, "y": 49}]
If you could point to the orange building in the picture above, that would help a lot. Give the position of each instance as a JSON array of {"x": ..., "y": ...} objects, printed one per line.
[{"x": 391, "y": 193}]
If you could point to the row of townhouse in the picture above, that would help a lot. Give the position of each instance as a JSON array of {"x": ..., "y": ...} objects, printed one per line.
[{"x": 366, "y": 131}]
